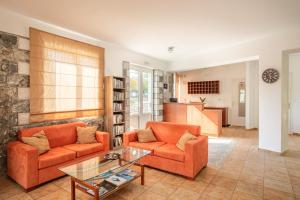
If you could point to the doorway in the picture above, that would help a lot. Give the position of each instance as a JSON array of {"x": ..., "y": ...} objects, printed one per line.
[
  {"x": 238, "y": 102},
  {"x": 294, "y": 94},
  {"x": 141, "y": 100}
]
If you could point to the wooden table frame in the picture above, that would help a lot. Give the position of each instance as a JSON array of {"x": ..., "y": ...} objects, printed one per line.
[{"x": 96, "y": 189}]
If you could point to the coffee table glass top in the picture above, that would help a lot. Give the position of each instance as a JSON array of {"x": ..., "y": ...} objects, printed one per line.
[{"x": 94, "y": 166}]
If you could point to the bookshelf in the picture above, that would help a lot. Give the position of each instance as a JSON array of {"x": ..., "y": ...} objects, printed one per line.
[
  {"x": 204, "y": 87},
  {"x": 115, "y": 109}
]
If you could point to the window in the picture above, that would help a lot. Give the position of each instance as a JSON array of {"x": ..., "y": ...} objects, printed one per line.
[{"x": 66, "y": 78}]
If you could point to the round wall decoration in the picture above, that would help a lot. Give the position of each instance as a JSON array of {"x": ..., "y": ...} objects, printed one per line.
[{"x": 270, "y": 75}]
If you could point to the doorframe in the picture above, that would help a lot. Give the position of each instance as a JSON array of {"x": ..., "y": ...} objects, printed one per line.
[
  {"x": 291, "y": 94},
  {"x": 285, "y": 80},
  {"x": 141, "y": 69}
]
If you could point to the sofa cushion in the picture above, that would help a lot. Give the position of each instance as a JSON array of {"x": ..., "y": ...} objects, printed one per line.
[
  {"x": 169, "y": 151},
  {"x": 148, "y": 146},
  {"x": 86, "y": 135},
  {"x": 39, "y": 141},
  {"x": 55, "y": 156},
  {"x": 146, "y": 135},
  {"x": 84, "y": 149},
  {"x": 184, "y": 139}
]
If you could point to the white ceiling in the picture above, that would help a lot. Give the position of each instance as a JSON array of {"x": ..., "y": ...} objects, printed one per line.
[{"x": 150, "y": 26}]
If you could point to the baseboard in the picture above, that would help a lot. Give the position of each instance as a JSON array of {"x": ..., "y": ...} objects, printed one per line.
[{"x": 251, "y": 129}]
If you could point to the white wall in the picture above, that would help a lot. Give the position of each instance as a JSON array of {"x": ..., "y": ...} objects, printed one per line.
[
  {"x": 114, "y": 55},
  {"x": 294, "y": 71},
  {"x": 252, "y": 98},
  {"x": 273, "y": 108},
  {"x": 229, "y": 76}
]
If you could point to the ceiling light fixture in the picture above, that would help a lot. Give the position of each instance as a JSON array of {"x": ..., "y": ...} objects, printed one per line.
[{"x": 171, "y": 49}]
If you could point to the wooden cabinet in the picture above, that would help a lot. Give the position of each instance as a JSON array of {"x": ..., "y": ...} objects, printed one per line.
[
  {"x": 115, "y": 109},
  {"x": 224, "y": 114}
]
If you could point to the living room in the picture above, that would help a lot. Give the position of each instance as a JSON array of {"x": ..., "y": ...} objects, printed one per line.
[{"x": 111, "y": 90}]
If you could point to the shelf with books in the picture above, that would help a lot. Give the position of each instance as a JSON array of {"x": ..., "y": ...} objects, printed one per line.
[{"x": 115, "y": 108}]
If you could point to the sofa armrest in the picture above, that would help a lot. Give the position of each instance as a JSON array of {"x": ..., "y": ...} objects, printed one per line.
[
  {"x": 130, "y": 136},
  {"x": 103, "y": 137},
  {"x": 22, "y": 164},
  {"x": 196, "y": 154}
]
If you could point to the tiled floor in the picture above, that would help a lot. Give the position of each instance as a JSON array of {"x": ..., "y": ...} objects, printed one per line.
[{"x": 237, "y": 170}]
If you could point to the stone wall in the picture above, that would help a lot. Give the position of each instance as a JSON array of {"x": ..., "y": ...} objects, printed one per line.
[
  {"x": 126, "y": 66},
  {"x": 14, "y": 92},
  {"x": 158, "y": 95}
]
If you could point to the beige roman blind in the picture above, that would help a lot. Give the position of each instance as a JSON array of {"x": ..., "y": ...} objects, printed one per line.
[{"x": 66, "y": 78}]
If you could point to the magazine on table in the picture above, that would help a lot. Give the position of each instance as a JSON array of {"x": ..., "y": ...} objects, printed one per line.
[
  {"x": 106, "y": 181},
  {"x": 104, "y": 187}
]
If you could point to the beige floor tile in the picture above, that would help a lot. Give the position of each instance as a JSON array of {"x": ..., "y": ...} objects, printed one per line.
[
  {"x": 11, "y": 191},
  {"x": 163, "y": 189},
  {"x": 63, "y": 183},
  {"x": 253, "y": 172},
  {"x": 251, "y": 179},
  {"x": 252, "y": 189},
  {"x": 216, "y": 192},
  {"x": 296, "y": 189},
  {"x": 279, "y": 174},
  {"x": 275, "y": 164},
  {"x": 173, "y": 179},
  {"x": 132, "y": 191},
  {"x": 229, "y": 174},
  {"x": 153, "y": 176},
  {"x": 43, "y": 190},
  {"x": 83, "y": 196},
  {"x": 232, "y": 167},
  {"x": 225, "y": 182},
  {"x": 244, "y": 196},
  {"x": 150, "y": 196},
  {"x": 294, "y": 172},
  {"x": 294, "y": 180},
  {"x": 185, "y": 194},
  {"x": 6, "y": 182},
  {"x": 278, "y": 185},
  {"x": 196, "y": 186},
  {"x": 271, "y": 194},
  {"x": 21, "y": 196},
  {"x": 115, "y": 197},
  {"x": 57, "y": 195},
  {"x": 292, "y": 164}
]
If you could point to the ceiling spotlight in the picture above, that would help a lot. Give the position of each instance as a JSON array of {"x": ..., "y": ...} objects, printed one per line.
[{"x": 171, "y": 49}]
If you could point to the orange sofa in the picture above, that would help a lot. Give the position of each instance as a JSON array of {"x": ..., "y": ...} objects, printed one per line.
[
  {"x": 164, "y": 153},
  {"x": 29, "y": 169}
]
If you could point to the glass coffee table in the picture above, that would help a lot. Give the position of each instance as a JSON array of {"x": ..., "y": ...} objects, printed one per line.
[{"x": 106, "y": 173}]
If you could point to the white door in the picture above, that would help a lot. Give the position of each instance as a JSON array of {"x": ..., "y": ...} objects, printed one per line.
[
  {"x": 294, "y": 67},
  {"x": 140, "y": 96}
]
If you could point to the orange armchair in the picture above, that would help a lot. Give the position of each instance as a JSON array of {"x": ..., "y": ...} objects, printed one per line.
[{"x": 164, "y": 153}]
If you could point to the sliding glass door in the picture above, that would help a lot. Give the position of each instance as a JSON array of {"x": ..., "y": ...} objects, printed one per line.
[{"x": 141, "y": 90}]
